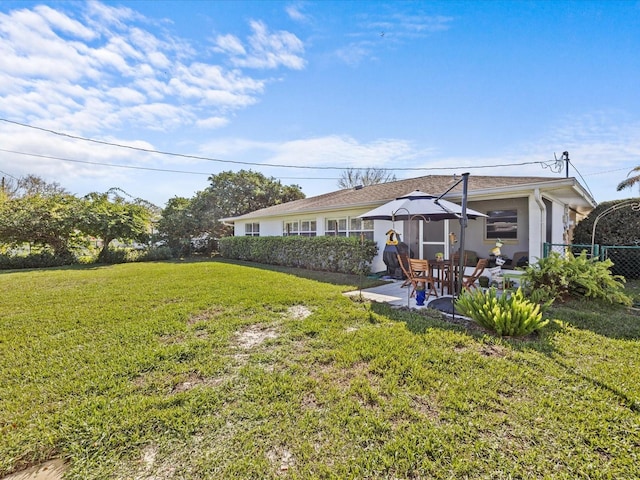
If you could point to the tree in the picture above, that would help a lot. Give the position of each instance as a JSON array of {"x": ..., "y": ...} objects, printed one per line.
[
  {"x": 29, "y": 185},
  {"x": 178, "y": 225},
  {"x": 232, "y": 194},
  {"x": 630, "y": 181},
  {"x": 353, "y": 177},
  {"x": 109, "y": 216},
  {"x": 42, "y": 219}
]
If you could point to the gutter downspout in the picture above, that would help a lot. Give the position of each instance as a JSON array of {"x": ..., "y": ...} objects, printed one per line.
[{"x": 543, "y": 216}]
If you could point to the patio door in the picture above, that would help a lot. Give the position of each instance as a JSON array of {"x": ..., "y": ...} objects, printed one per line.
[
  {"x": 434, "y": 237},
  {"x": 427, "y": 238}
]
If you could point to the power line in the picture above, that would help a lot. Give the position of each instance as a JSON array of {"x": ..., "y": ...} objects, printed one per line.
[
  {"x": 585, "y": 182},
  {"x": 8, "y": 175},
  {"x": 138, "y": 167},
  {"x": 307, "y": 167},
  {"x": 103, "y": 163}
]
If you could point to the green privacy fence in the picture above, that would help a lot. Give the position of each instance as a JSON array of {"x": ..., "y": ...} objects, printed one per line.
[{"x": 625, "y": 258}]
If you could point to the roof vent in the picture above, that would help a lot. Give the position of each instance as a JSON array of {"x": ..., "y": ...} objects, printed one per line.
[{"x": 358, "y": 187}]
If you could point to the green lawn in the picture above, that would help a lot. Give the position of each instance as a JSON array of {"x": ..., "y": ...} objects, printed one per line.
[{"x": 219, "y": 370}]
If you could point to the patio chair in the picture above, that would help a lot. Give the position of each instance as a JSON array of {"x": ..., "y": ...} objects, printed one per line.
[
  {"x": 403, "y": 260},
  {"x": 421, "y": 273},
  {"x": 469, "y": 281}
]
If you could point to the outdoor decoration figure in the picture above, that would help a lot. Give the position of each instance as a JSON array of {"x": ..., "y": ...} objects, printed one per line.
[{"x": 496, "y": 272}]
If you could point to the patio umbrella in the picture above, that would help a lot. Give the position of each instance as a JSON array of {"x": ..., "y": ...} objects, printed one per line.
[{"x": 419, "y": 205}]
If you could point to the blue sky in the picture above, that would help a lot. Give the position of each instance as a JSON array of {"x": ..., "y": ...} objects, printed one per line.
[{"x": 315, "y": 87}]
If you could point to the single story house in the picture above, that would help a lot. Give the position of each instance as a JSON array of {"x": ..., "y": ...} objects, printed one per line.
[{"x": 523, "y": 212}]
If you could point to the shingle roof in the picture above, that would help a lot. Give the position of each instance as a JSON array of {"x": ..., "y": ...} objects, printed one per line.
[{"x": 383, "y": 192}]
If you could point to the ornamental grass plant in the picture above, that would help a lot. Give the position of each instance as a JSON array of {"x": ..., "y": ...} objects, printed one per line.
[{"x": 508, "y": 314}]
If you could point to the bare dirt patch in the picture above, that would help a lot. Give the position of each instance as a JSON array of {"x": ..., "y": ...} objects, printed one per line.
[
  {"x": 205, "y": 316},
  {"x": 493, "y": 351},
  {"x": 195, "y": 380},
  {"x": 298, "y": 312},
  {"x": 254, "y": 336},
  {"x": 51, "y": 470},
  {"x": 281, "y": 458}
]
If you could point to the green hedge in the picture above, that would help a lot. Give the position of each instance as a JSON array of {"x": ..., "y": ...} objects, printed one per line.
[
  {"x": 332, "y": 254},
  {"x": 35, "y": 260},
  {"x": 114, "y": 255}
]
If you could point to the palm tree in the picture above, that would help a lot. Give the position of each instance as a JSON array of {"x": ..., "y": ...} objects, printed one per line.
[{"x": 630, "y": 181}]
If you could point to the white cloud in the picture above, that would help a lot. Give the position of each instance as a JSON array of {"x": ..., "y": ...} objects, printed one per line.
[
  {"x": 230, "y": 44},
  {"x": 212, "y": 122},
  {"x": 389, "y": 29},
  {"x": 266, "y": 50},
  {"x": 355, "y": 53},
  {"x": 120, "y": 64},
  {"x": 333, "y": 150},
  {"x": 295, "y": 12},
  {"x": 59, "y": 21}
]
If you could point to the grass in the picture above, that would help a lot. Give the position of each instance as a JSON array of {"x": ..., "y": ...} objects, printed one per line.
[{"x": 223, "y": 370}]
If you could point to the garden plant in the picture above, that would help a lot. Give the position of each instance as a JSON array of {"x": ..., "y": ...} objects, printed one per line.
[{"x": 508, "y": 314}]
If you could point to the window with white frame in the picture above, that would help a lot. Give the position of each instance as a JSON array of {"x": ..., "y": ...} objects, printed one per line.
[
  {"x": 350, "y": 227},
  {"x": 252, "y": 229},
  {"x": 308, "y": 228},
  {"x": 336, "y": 227},
  {"x": 290, "y": 228},
  {"x": 361, "y": 228},
  {"x": 303, "y": 228}
]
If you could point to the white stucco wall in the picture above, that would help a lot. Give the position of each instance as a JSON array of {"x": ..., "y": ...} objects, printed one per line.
[{"x": 532, "y": 220}]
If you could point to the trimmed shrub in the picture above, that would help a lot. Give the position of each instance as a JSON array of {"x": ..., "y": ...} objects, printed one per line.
[
  {"x": 128, "y": 255},
  {"x": 619, "y": 227},
  {"x": 36, "y": 260},
  {"x": 332, "y": 254},
  {"x": 507, "y": 315}
]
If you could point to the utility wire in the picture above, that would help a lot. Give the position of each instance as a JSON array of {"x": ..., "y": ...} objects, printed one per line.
[
  {"x": 138, "y": 167},
  {"x": 585, "y": 182},
  {"x": 8, "y": 175},
  {"x": 307, "y": 167},
  {"x": 103, "y": 163}
]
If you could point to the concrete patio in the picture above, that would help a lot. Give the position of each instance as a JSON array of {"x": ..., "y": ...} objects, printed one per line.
[{"x": 394, "y": 294}]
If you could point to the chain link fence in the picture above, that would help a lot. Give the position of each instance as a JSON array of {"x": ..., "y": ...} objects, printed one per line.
[{"x": 626, "y": 259}]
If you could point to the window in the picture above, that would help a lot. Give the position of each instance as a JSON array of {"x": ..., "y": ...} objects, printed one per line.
[
  {"x": 304, "y": 228},
  {"x": 252, "y": 229},
  {"x": 359, "y": 227},
  {"x": 336, "y": 227},
  {"x": 290, "y": 228},
  {"x": 352, "y": 227},
  {"x": 502, "y": 224},
  {"x": 308, "y": 228}
]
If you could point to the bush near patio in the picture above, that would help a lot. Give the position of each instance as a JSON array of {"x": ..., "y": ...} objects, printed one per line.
[
  {"x": 331, "y": 254},
  {"x": 506, "y": 315},
  {"x": 211, "y": 369},
  {"x": 559, "y": 277}
]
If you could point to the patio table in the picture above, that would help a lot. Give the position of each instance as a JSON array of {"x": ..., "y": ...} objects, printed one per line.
[{"x": 444, "y": 276}]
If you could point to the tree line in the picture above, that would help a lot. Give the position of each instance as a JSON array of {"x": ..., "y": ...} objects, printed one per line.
[{"x": 36, "y": 215}]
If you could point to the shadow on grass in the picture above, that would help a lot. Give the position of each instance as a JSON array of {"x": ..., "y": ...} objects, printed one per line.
[
  {"x": 339, "y": 279},
  {"x": 419, "y": 321},
  {"x": 611, "y": 321}
]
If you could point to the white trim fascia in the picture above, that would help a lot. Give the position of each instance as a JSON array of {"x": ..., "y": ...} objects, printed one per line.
[
  {"x": 526, "y": 188},
  {"x": 510, "y": 191},
  {"x": 307, "y": 211}
]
